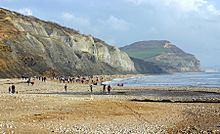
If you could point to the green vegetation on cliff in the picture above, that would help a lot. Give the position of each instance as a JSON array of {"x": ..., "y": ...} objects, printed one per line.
[{"x": 162, "y": 54}]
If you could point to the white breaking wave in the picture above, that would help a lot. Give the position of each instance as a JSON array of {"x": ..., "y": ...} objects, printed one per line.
[
  {"x": 201, "y": 79},
  {"x": 211, "y": 71}
]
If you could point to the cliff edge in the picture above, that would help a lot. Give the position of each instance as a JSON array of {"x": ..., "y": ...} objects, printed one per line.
[{"x": 30, "y": 46}]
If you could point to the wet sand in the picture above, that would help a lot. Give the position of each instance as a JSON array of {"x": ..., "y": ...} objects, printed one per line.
[{"x": 46, "y": 108}]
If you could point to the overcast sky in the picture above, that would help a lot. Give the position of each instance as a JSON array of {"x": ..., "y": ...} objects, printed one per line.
[{"x": 192, "y": 25}]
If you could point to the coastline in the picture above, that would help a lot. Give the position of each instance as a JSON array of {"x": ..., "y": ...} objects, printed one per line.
[{"x": 46, "y": 108}]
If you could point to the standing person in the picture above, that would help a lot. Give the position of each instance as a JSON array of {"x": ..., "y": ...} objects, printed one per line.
[
  {"x": 29, "y": 81},
  {"x": 65, "y": 87},
  {"x": 104, "y": 88},
  {"x": 32, "y": 83},
  {"x": 45, "y": 78},
  {"x": 13, "y": 89},
  {"x": 91, "y": 88},
  {"x": 109, "y": 89},
  {"x": 9, "y": 90}
]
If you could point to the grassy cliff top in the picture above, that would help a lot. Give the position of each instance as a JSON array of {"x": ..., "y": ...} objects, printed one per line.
[{"x": 148, "y": 49}]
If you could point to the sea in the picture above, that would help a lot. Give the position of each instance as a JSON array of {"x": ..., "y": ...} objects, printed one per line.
[{"x": 195, "y": 79}]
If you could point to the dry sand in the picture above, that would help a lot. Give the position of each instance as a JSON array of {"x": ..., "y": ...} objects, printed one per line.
[{"x": 46, "y": 108}]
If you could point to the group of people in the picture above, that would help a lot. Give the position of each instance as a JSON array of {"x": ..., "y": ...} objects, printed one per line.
[
  {"x": 108, "y": 88},
  {"x": 68, "y": 79},
  {"x": 120, "y": 84},
  {"x": 30, "y": 80},
  {"x": 104, "y": 88},
  {"x": 80, "y": 79},
  {"x": 92, "y": 80},
  {"x": 91, "y": 88}
]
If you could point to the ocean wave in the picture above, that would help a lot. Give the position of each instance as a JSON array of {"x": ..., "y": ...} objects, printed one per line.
[{"x": 201, "y": 79}]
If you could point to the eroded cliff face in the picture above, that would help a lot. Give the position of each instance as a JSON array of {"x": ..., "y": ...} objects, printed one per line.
[
  {"x": 164, "y": 55},
  {"x": 30, "y": 46},
  {"x": 173, "y": 62}
]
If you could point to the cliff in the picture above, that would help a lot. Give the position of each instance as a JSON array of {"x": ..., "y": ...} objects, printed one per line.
[
  {"x": 30, "y": 46},
  {"x": 145, "y": 67},
  {"x": 164, "y": 55}
]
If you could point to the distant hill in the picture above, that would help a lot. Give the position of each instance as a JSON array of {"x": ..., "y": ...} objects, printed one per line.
[
  {"x": 163, "y": 55},
  {"x": 30, "y": 46}
]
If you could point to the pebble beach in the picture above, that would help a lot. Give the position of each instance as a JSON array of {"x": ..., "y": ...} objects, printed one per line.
[{"x": 45, "y": 107}]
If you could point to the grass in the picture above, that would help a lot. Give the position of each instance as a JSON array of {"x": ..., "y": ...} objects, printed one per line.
[{"x": 145, "y": 54}]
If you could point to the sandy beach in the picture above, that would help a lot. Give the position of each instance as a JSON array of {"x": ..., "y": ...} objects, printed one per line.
[{"x": 46, "y": 108}]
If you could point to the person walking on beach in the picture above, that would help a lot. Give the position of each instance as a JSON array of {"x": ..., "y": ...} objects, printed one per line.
[
  {"x": 109, "y": 89},
  {"x": 65, "y": 87},
  {"x": 9, "y": 90},
  {"x": 29, "y": 81},
  {"x": 13, "y": 89},
  {"x": 91, "y": 88},
  {"x": 44, "y": 79},
  {"x": 104, "y": 88}
]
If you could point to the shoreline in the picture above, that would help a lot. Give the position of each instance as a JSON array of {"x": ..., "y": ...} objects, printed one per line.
[{"x": 45, "y": 107}]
